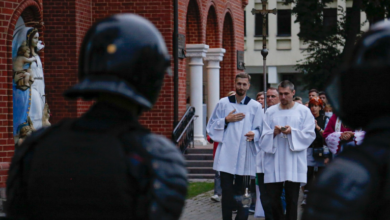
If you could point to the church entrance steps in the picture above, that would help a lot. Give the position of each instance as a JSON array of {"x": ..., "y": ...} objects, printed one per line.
[
  {"x": 199, "y": 151},
  {"x": 200, "y": 170},
  {"x": 200, "y": 176},
  {"x": 199, "y": 156},
  {"x": 200, "y": 163}
]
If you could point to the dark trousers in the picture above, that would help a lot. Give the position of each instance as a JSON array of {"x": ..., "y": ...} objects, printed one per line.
[
  {"x": 232, "y": 190},
  {"x": 292, "y": 194},
  {"x": 265, "y": 198},
  {"x": 311, "y": 175}
]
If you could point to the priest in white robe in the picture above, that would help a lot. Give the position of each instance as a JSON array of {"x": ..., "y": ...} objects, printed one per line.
[
  {"x": 288, "y": 130},
  {"x": 236, "y": 124}
]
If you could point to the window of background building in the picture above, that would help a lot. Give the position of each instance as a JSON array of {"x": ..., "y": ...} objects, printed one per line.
[
  {"x": 245, "y": 23},
  {"x": 330, "y": 20},
  {"x": 348, "y": 17},
  {"x": 259, "y": 25},
  {"x": 284, "y": 22}
]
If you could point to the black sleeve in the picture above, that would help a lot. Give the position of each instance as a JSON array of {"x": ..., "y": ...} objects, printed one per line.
[
  {"x": 345, "y": 190},
  {"x": 169, "y": 185},
  {"x": 163, "y": 186}
]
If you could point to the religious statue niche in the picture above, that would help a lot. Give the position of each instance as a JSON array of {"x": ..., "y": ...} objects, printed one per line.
[{"x": 30, "y": 110}]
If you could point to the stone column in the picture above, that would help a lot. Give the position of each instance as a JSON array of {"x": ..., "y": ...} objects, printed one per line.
[
  {"x": 214, "y": 56},
  {"x": 195, "y": 54}
]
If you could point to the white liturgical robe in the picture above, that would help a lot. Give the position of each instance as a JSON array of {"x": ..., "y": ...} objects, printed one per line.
[
  {"x": 234, "y": 154},
  {"x": 285, "y": 155}
]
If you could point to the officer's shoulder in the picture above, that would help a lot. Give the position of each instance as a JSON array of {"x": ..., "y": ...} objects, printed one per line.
[
  {"x": 351, "y": 173},
  {"x": 162, "y": 148},
  {"x": 41, "y": 133}
]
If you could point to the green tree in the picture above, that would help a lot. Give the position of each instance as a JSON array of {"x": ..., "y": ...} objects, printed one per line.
[{"x": 328, "y": 49}]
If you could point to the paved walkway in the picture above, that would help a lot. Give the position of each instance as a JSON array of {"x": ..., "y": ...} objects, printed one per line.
[{"x": 201, "y": 207}]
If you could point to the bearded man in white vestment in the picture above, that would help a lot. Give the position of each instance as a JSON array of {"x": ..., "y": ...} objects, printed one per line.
[
  {"x": 236, "y": 124},
  {"x": 288, "y": 130}
]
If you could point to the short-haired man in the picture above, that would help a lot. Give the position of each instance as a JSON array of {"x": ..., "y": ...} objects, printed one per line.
[
  {"x": 272, "y": 96},
  {"x": 272, "y": 99},
  {"x": 288, "y": 130},
  {"x": 298, "y": 99},
  {"x": 236, "y": 124},
  {"x": 313, "y": 93},
  {"x": 322, "y": 96}
]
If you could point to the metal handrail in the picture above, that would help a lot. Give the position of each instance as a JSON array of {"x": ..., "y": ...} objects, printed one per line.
[{"x": 185, "y": 126}]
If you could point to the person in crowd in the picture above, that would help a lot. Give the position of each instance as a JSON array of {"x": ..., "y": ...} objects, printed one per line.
[
  {"x": 313, "y": 93},
  {"x": 356, "y": 184},
  {"x": 322, "y": 96},
  {"x": 272, "y": 96},
  {"x": 288, "y": 130},
  {"x": 328, "y": 110},
  {"x": 236, "y": 123},
  {"x": 105, "y": 164},
  {"x": 273, "y": 99},
  {"x": 260, "y": 98},
  {"x": 317, "y": 156},
  {"x": 306, "y": 104},
  {"x": 217, "y": 179},
  {"x": 298, "y": 99},
  {"x": 337, "y": 132}
]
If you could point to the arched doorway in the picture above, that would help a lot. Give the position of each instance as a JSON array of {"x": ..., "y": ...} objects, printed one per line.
[
  {"x": 212, "y": 34},
  {"x": 193, "y": 24},
  {"x": 228, "y": 69}
]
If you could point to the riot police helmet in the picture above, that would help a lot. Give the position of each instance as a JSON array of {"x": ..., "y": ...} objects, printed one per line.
[
  {"x": 358, "y": 92},
  {"x": 122, "y": 55}
]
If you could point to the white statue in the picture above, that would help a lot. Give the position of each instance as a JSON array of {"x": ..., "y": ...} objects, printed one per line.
[
  {"x": 28, "y": 84},
  {"x": 38, "y": 100}
]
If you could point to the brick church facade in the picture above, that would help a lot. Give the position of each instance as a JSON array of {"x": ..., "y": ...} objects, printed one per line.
[{"x": 217, "y": 23}]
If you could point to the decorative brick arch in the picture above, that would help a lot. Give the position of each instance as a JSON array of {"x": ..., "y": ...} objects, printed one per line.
[
  {"x": 194, "y": 28},
  {"x": 228, "y": 65},
  {"x": 212, "y": 38}
]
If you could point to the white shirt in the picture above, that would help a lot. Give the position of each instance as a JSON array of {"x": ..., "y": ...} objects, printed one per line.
[
  {"x": 234, "y": 154},
  {"x": 285, "y": 158}
]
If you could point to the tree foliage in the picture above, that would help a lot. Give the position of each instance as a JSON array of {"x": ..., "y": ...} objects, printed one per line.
[{"x": 329, "y": 48}]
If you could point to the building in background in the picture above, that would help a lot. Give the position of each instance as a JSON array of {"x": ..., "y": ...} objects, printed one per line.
[{"x": 285, "y": 47}]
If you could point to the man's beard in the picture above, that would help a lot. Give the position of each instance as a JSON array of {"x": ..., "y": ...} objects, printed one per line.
[{"x": 240, "y": 92}]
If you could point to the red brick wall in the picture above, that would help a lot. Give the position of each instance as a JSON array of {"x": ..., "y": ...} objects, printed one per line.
[
  {"x": 160, "y": 12},
  {"x": 66, "y": 24}
]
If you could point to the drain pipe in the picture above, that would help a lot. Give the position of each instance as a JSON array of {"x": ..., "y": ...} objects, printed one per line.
[{"x": 176, "y": 63}]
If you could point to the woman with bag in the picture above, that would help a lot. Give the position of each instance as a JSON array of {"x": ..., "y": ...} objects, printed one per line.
[{"x": 317, "y": 153}]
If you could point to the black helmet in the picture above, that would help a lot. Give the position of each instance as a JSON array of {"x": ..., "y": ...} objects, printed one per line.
[
  {"x": 358, "y": 93},
  {"x": 124, "y": 55}
]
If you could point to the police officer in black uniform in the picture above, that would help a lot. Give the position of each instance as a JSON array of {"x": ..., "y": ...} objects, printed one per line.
[
  {"x": 356, "y": 185},
  {"x": 104, "y": 165}
]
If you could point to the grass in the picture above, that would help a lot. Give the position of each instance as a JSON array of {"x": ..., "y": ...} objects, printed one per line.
[{"x": 196, "y": 188}]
